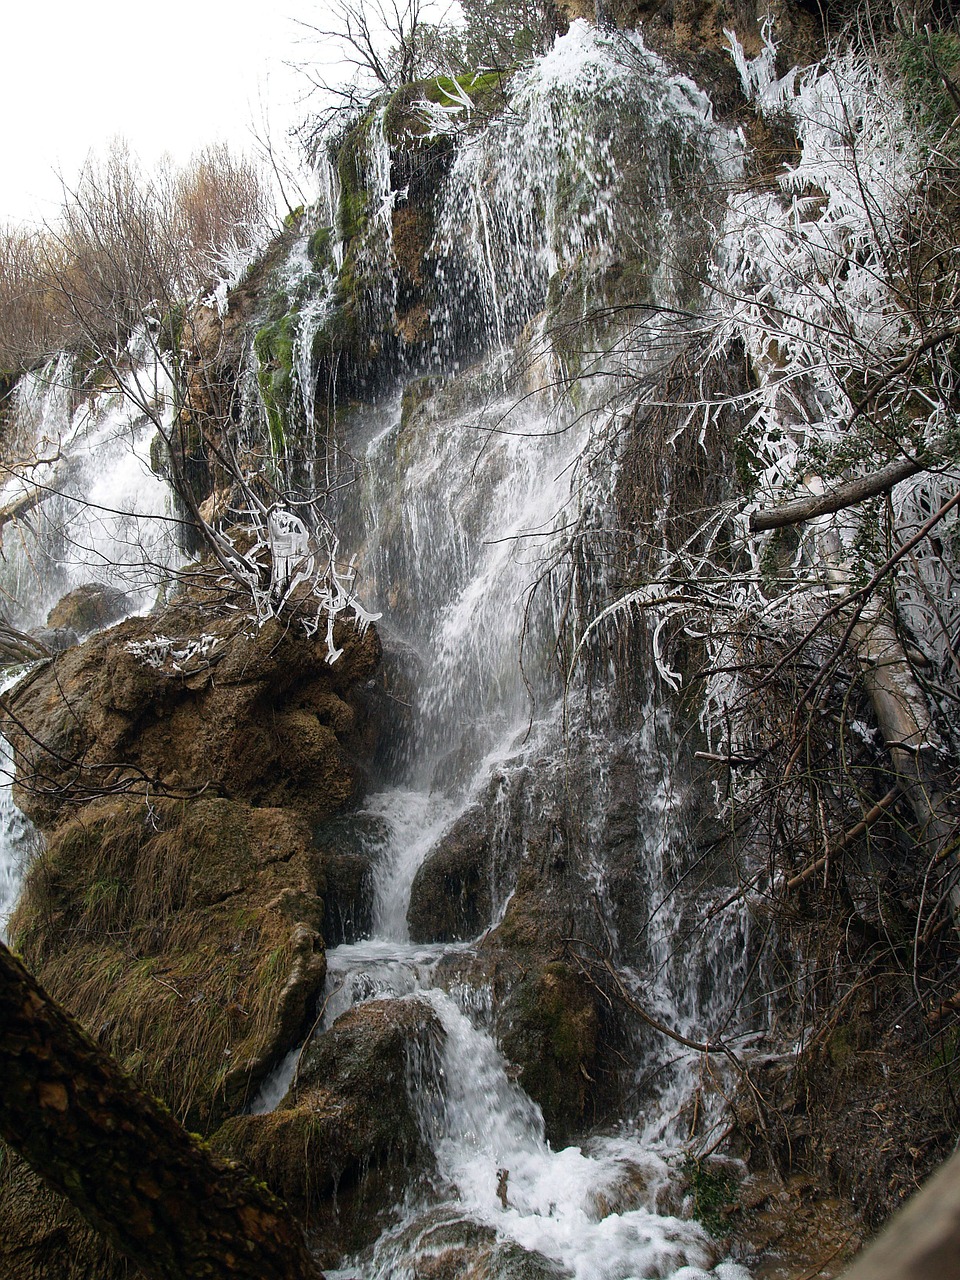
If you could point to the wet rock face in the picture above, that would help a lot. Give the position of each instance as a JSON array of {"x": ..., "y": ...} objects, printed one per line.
[
  {"x": 451, "y": 900},
  {"x": 349, "y": 849},
  {"x": 348, "y": 1124}
]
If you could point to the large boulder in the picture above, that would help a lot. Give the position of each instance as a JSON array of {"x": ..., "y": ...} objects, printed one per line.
[
  {"x": 451, "y": 898},
  {"x": 184, "y": 935},
  {"x": 187, "y": 702},
  {"x": 347, "y": 1138}
]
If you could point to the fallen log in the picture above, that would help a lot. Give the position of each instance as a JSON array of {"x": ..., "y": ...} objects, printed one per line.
[{"x": 843, "y": 495}]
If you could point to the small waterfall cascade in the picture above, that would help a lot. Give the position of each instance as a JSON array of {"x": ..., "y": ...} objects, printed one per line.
[
  {"x": 80, "y": 500},
  {"x": 79, "y": 504},
  {"x": 483, "y": 524}
]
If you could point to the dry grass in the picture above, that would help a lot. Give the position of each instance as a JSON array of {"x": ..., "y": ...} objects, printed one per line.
[{"x": 164, "y": 930}]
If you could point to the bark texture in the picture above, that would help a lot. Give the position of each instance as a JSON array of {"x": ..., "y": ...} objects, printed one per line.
[
  {"x": 842, "y": 495},
  {"x": 160, "y": 1197}
]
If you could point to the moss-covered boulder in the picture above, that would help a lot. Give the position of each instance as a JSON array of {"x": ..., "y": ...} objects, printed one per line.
[
  {"x": 346, "y": 1140},
  {"x": 185, "y": 935},
  {"x": 187, "y": 701}
]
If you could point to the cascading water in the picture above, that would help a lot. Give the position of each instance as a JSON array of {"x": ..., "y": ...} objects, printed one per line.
[
  {"x": 481, "y": 526},
  {"x": 81, "y": 505},
  {"x": 93, "y": 509}
]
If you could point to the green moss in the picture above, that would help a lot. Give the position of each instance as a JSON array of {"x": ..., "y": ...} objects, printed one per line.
[
  {"x": 170, "y": 333},
  {"x": 274, "y": 347},
  {"x": 477, "y": 85},
  {"x": 319, "y": 248},
  {"x": 354, "y": 206},
  {"x": 714, "y": 1190},
  {"x": 292, "y": 219}
]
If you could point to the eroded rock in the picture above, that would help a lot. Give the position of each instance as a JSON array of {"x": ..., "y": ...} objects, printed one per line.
[{"x": 88, "y": 608}]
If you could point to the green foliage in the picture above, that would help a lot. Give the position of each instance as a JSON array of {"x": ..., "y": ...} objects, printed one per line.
[
  {"x": 928, "y": 59},
  {"x": 714, "y": 1190}
]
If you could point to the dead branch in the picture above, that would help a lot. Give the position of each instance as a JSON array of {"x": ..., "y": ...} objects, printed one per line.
[{"x": 842, "y": 495}]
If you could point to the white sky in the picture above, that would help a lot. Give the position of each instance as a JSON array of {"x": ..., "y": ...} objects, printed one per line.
[{"x": 169, "y": 77}]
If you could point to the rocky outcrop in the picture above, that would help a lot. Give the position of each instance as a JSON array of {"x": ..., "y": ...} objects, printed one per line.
[
  {"x": 451, "y": 899},
  {"x": 188, "y": 702},
  {"x": 87, "y": 608},
  {"x": 178, "y": 766},
  {"x": 348, "y": 1123}
]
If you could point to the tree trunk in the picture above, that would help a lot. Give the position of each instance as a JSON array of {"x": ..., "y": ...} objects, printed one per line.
[
  {"x": 904, "y": 720},
  {"x": 903, "y": 716},
  {"x": 159, "y": 1196}
]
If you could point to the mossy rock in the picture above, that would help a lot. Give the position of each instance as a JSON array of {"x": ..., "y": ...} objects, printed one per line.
[
  {"x": 551, "y": 1030},
  {"x": 184, "y": 936},
  {"x": 274, "y": 345},
  {"x": 320, "y": 248},
  {"x": 346, "y": 1140}
]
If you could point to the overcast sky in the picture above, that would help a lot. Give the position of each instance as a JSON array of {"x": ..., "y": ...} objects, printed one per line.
[{"x": 169, "y": 77}]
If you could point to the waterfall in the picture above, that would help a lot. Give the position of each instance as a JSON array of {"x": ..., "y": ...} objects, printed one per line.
[
  {"x": 486, "y": 527},
  {"x": 94, "y": 509},
  {"x": 483, "y": 522},
  {"x": 88, "y": 508}
]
